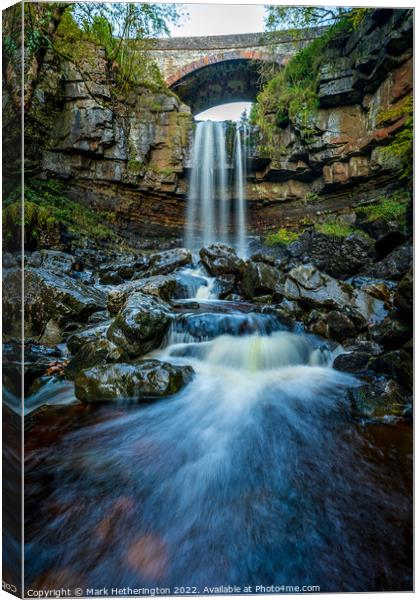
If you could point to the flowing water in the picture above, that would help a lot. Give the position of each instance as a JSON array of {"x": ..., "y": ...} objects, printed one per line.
[
  {"x": 240, "y": 178},
  {"x": 254, "y": 474},
  {"x": 209, "y": 217}
]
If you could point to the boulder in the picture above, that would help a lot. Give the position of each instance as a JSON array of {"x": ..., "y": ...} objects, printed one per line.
[
  {"x": 91, "y": 334},
  {"x": 339, "y": 326},
  {"x": 54, "y": 261},
  {"x": 144, "y": 380},
  {"x": 166, "y": 262},
  {"x": 160, "y": 286},
  {"x": 220, "y": 259},
  {"x": 47, "y": 296},
  {"x": 140, "y": 325},
  {"x": 392, "y": 333},
  {"x": 85, "y": 277},
  {"x": 93, "y": 353},
  {"x": 378, "y": 288},
  {"x": 380, "y": 400},
  {"x": 110, "y": 277},
  {"x": 224, "y": 285},
  {"x": 187, "y": 284},
  {"x": 123, "y": 267},
  {"x": 336, "y": 256},
  {"x": 404, "y": 296},
  {"x": 352, "y": 362},
  {"x": 395, "y": 265},
  {"x": 311, "y": 288},
  {"x": 259, "y": 278},
  {"x": 397, "y": 364}
]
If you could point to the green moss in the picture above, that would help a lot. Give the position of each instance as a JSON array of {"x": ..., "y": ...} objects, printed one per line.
[
  {"x": 391, "y": 208},
  {"x": 281, "y": 237},
  {"x": 161, "y": 170},
  {"x": 339, "y": 230},
  {"x": 400, "y": 148},
  {"x": 48, "y": 213}
]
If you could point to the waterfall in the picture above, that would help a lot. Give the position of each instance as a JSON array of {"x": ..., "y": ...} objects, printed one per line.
[
  {"x": 239, "y": 160},
  {"x": 208, "y": 208},
  {"x": 207, "y": 222}
]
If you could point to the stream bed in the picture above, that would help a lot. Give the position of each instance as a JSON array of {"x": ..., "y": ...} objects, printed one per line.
[{"x": 255, "y": 474}]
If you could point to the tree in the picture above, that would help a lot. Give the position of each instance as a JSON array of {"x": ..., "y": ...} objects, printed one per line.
[
  {"x": 287, "y": 17},
  {"x": 123, "y": 29}
]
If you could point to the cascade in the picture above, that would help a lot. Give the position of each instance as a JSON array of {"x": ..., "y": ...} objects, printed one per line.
[
  {"x": 240, "y": 177},
  {"x": 208, "y": 216}
]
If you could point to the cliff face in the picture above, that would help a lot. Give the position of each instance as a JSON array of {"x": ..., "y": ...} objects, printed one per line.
[
  {"x": 127, "y": 157},
  {"x": 121, "y": 155},
  {"x": 369, "y": 75}
]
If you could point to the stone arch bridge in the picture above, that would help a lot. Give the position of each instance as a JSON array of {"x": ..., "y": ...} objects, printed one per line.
[{"x": 207, "y": 71}]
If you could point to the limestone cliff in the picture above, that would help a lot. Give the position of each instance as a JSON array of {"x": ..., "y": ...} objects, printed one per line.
[
  {"x": 122, "y": 155},
  {"x": 368, "y": 74}
]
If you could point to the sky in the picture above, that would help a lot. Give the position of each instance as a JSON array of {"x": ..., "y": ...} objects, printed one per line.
[
  {"x": 217, "y": 19},
  {"x": 220, "y": 19}
]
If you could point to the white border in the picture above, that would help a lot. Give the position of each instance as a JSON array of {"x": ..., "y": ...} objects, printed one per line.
[{"x": 359, "y": 3}]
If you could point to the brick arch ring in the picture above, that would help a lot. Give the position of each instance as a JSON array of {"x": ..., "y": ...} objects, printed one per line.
[{"x": 212, "y": 59}]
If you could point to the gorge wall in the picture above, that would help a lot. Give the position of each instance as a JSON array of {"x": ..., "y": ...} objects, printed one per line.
[{"x": 128, "y": 157}]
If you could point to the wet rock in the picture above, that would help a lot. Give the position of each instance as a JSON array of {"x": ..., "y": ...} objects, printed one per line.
[
  {"x": 139, "y": 381},
  {"x": 378, "y": 288},
  {"x": 387, "y": 234},
  {"x": 94, "y": 353},
  {"x": 110, "y": 277},
  {"x": 91, "y": 334},
  {"x": 381, "y": 400},
  {"x": 140, "y": 326},
  {"x": 391, "y": 333},
  {"x": 187, "y": 285},
  {"x": 166, "y": 262},
  {"x": 338, "y": 257},
  {"x": 352, "y": 362},
  {"x": 206, "y": 326},
  {"x": 83, "y": 276},
  {"x": 54, "y": 261},
  {"x": 98, "y": 317},
  {"x": 267, "y": 299},
  {"x": 52, "y": 334},
  {"x": 339, "y": 326},
  {"x": 37, "y": 359},
  {"x": 9, "y": 260},
  {"x": 311, "y": 288},
  {"x": 404, "y": 296},
  {"x": 160, "y": 286},
  {"x": 395, "y": 265},
  {"x": 220, "y": 259},
  {"x": 263, "y": 258},
  {"x": 47, "y": 296},
  {"x": 259, "y": 278},
  {"x": 397, "y": 365},
  {"x": 224, "y": 285}
]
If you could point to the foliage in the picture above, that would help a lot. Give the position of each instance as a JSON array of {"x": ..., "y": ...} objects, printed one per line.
[
  {"x": 391, "y": 208},
  {"x": 290, "y": 94},
  {"x": 48, "y": 212},
  {"x": 400, "y": 149},
  {"x": 311, "y": 197},
  {"x": 336, "y": 229},
  {"x": 280, "y": 17},
  {"x": 281, "y": 237},
  {"x": 123, "y": 29}
]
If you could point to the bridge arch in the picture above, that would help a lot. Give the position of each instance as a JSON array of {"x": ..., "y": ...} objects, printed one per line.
[
  {"x": 218, "y": 79},
  {"x": 212, "y": 70}
]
